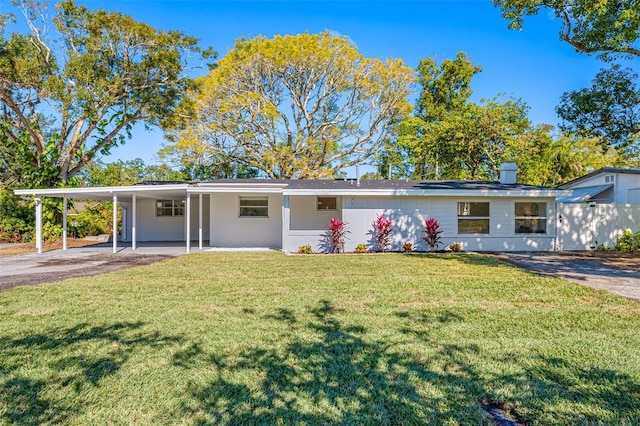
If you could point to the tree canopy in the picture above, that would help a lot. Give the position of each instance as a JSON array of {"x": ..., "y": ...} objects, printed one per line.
[
  {"x": 296, "y": 106},
  {"x": 74, "y": 94},
  {"x": 609, "y": 28},
  {"x": 609, "y": 109}
]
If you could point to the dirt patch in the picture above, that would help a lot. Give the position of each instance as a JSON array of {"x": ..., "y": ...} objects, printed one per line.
[
  {"x": 17, "y": 249},
  {"x": 629, "y": 261},
  {"x": 58, "y": 269}
]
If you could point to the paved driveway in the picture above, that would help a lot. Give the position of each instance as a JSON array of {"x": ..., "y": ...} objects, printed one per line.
[
  {"x": 57, "y": 265},
  {"x": 593, "y": 274}
]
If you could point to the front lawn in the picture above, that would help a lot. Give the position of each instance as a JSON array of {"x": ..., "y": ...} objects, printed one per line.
[{"x": 263, "y": 338}]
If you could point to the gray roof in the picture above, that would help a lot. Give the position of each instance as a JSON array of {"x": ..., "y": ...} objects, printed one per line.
[
  {"x": 338, "y": 184},
  {"x": 584, "y": 194}
]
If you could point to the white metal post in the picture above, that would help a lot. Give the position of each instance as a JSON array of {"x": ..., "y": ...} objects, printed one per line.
[
  {"x": 200, "y": 221},
  {"x": 64, "y": 223},
  {"x": 286, "y": 222},
  {"x": 115, "y": 223},
  {"x": 188, "y": 218},
  {"x": 39, "y": 224},
  {"x": 133, "y": 225}
]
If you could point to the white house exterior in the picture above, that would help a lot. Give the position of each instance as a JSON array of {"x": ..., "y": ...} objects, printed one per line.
[
  {"x": 602, "y": 205},
  {"x": 280, "y": 214}
]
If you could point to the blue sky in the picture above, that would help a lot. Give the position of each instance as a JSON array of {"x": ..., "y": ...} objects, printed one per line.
[{"x": 533, "y": 64}]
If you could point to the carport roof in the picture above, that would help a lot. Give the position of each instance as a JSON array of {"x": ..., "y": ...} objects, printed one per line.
[{"x": 302, "y": 187}]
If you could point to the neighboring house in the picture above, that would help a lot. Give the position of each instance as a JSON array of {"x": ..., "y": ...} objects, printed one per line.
[
  {"x": 287, "y": 214},
  {"x": 603, "y": 204}
]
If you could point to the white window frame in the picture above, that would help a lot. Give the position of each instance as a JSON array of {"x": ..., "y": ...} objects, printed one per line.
[
  {"x": 472, "y": 218},
  {"x": 531, "y": 218},
  {"x": 335, "y": 199},
  {"x": 252, "y": 198},
  {"x": 177, "y": 208}
]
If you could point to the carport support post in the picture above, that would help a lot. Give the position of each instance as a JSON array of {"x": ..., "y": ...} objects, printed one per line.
[
  {"x": 188, "y": 217},
  {"x": 200, "y": 221},
  {"x": 133, "y": 224},
  {"x": 64, "y": 223},
  {"x": 38, "y": 224},
  {"x": 115, "y": 223}
]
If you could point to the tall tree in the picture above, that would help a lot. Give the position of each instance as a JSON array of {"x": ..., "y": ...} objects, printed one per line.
[
  {"x": 610, "y": 29},
  {"x": 77, "y": 93},
  {"x": 298, "y": 106}
]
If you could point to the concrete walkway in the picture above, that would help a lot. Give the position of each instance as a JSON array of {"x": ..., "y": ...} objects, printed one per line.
[{"x": 592, "y": 274}]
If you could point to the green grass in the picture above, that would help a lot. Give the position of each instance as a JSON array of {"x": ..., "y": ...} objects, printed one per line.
[{"x": 262, "y": 338}]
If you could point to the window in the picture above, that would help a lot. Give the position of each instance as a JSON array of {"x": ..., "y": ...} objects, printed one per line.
[
  {"x": 327, "y": 203},
  {"x": 169, "y": 208},
  {"x": 531, "y": 218},
  {"x": 473, "y": 218},
  {"x": 254, "y": 207}
]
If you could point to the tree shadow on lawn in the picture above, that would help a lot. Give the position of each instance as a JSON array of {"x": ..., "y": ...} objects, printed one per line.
[
  {"x": 548, "y": 389},
  {"x": 339, "y": 375},
  {"x": 65, "y": 360},
  {"x": 335, "y": 377}
]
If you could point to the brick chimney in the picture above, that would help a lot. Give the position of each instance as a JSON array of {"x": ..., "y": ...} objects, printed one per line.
[{"x": 508, "y": 172}]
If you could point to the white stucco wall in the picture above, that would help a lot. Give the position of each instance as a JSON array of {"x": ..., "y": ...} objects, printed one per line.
[
  {"x": 227, "y": 229},
  {"x": 408, "y": 215},
  {"x": 153, "y": 228}
]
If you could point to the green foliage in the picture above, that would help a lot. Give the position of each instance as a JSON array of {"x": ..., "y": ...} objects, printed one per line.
[
  {"x": 609, "y": 109},
  {"x": 307, "y": 249},
  {"x": 294, "y": 106},
  {"x": 98, "y": 74},
  {"x": 609, "y": 28},
  {"x": 407, "y": 247},
  {"x": 16, "y": 219},
  {"x": 126, "y": 173},
  {"x": 93, "y": 219},
  {"x": 362, "y": 248},
  {"x": 628, "y": 241}
]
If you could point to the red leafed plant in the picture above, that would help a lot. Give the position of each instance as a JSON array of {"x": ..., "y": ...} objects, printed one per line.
[
  {"x": 431, "y": 234},
  {"x": 382, "y": 232},
  {"x": 336, "y": 234}
]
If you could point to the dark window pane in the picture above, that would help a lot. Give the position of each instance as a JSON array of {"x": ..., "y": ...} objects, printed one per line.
[
  {"x": 531, "y": 209},
  {"x": 327, "y": 203},
  {"x": 473, "y": 226},
  {"x": 531, "y": 226},
  {"x": 473, "y": 209}
]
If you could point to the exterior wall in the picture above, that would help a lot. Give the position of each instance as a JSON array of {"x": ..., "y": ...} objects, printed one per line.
[
  {"x": 305, "y": 216},
  {"x": 149, "y": 227},
  {"x": 408, "y": 215},
  {"x": 584, "y": 226},
  {"x": 227, "y": 229},
  {"x": 623, "y": 186},
  {"x": 153, "y": 228}
]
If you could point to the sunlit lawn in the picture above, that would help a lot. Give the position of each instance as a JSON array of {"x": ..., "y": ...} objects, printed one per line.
[{"x": 239, "y": 338}]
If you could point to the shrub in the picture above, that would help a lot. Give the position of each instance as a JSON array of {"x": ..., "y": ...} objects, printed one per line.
[
  {"x": 362, "y": 248},
  {"x": 432, "y": 232},
  {"x": 407, "y": 247},
  {"x": 335, "y": 236},
  {"x": 305, "y": 249},
  {"x": 456, "y": 247},
  {"x": 628, "y": 241},
  {"x": 382, "y": 232}
]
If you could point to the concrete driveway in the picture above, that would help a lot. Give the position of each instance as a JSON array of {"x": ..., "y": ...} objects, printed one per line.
[
  {"x": 57, "y": 265},
  {"x": 623, "y": 282}
]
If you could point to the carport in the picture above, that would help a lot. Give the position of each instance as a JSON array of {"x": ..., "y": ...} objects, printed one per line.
[{"x": 119, "y": 195}]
